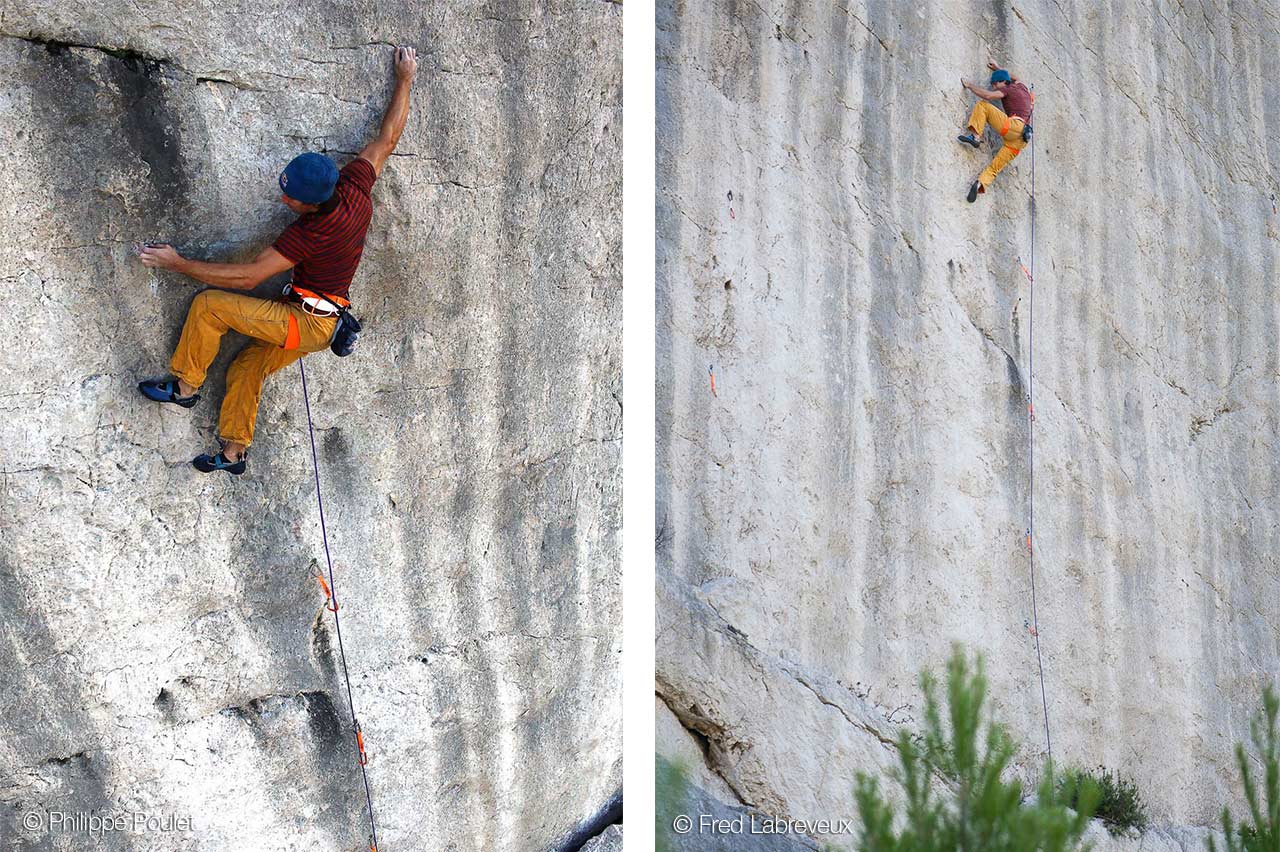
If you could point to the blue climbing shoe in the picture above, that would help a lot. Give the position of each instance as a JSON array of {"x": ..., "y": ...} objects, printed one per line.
[
  {"x": 166, "y": 391},
  {"x": 208, "y": 464},
  {"x": 969, "y": 139}
]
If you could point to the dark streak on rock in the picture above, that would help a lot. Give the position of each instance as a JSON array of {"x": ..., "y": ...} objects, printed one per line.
[
  {"x": 609, "y": 814},
  {"x": 324, "y": 722},
  {"x": 322, "y": 647},
  {"x": 335, "y": 445},
  {"x": 80, "y": 759},
  {"x": 57, "y": 47},
  {"x": 152, "y": 126}
]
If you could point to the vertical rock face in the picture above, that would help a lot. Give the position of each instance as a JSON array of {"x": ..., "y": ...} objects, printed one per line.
[
  {"x": 164, "y": 642},
  {"x": 851, "y": 495}
]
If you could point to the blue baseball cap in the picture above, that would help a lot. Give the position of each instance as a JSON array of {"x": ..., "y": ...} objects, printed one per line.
[
  {"x": 309, "y": 178},
  {"x": 1000, "y": 76}
]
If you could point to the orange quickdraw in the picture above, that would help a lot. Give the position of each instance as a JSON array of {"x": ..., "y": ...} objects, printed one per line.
[
  {"x": 331, "y": 599},
  {"x": 330, "y": 603},
  {"x": 711, "y": 372},
  {"x": 364, "y": 758}
]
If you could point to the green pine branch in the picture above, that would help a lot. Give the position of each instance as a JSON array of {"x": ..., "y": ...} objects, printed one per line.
[
  {"x": 977, "y": 810},
  {"x": 1262, "y": 833}
]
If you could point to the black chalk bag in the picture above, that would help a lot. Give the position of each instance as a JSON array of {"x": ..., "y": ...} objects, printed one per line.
[{"x": 345, "y": 334}]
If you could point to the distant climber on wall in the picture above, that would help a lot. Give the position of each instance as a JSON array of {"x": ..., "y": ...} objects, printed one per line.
[
  {"x": 323, "y": 247},
  {"x": 1013, "y": 123}
]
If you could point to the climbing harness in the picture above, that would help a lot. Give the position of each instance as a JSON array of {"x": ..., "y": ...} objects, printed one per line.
[
  {"x": 315, "y": 303},
  {"x": 1034, "y": 627},
  {"x": 1025, "y": 133},
  {"x": 345, "y": 332},
  {"x": 331, "y": 604}
]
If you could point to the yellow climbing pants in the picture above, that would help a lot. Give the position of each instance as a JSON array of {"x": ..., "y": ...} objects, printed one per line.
[
  {"x": 1010, "y": 130},
  {"x": 272, "y": 325}
]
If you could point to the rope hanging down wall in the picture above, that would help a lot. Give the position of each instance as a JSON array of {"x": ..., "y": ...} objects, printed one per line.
[
  {"x": 1031, "y": 449},
  {"x": 331, "y": 596}
]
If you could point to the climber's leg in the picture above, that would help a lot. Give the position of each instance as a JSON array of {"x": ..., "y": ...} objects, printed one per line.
[
  {"x": 245, "y": 378},
  {"x": 1002, "y": 158},
  {"x": 250, "y": 369},
  {"x": 240, "y": 406},
  {"x": 1013, "y": 146},
  {"x": 212, "y": 314},
  {"x": 982, "y": 113}
]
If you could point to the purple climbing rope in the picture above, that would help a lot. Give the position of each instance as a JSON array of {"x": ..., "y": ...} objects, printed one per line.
[
  {"x": 1031, "y": 451},
  {"x": 362, "y": 759}
]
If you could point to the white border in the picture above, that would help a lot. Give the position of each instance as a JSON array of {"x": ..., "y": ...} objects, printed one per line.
[{"x": 638, "y": 424}]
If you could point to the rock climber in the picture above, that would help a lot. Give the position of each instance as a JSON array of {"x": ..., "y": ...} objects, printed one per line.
[
  {"x": 323, "y": 248},
  {"x": 1012, "y": 123}
]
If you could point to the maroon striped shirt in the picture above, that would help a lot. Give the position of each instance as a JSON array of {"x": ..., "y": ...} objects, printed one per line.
[
  {"x": 326, "y": 249},
  {"x": 1017, "y": 101}
]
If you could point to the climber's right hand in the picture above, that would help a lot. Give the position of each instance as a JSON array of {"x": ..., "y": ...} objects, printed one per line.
[{"x": 406, "y": 63}]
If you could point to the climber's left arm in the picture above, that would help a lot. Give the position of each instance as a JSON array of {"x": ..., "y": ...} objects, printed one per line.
[
  {"x": 230, "y": 276},
  {"x": 986, "y": 94}
]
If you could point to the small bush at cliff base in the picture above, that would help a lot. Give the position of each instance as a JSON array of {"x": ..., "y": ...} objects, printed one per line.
[
  {"x": 670, "y": 785},
  {"x": 1120, "y": 806},
  {"x": 977, "y": 810},
  {"x": 1262, "y": 834}
]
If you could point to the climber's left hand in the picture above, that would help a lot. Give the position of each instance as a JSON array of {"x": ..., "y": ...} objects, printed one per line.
[{"x": 159, "y": 257}]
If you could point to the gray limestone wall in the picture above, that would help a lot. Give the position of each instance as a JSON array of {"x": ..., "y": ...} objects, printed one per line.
[
  {"x": 852, "y": 496},
  {"x": 164, "y": 643}
]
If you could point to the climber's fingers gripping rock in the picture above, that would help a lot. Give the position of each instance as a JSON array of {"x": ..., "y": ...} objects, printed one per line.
[
  {"x": 158, "y": 256},
  {"x": 406, "y": 62}
]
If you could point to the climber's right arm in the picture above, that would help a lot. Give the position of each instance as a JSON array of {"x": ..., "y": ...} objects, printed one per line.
[
  {"x": 994, "y": 67},
  {"x": 377, "y": 151}
]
